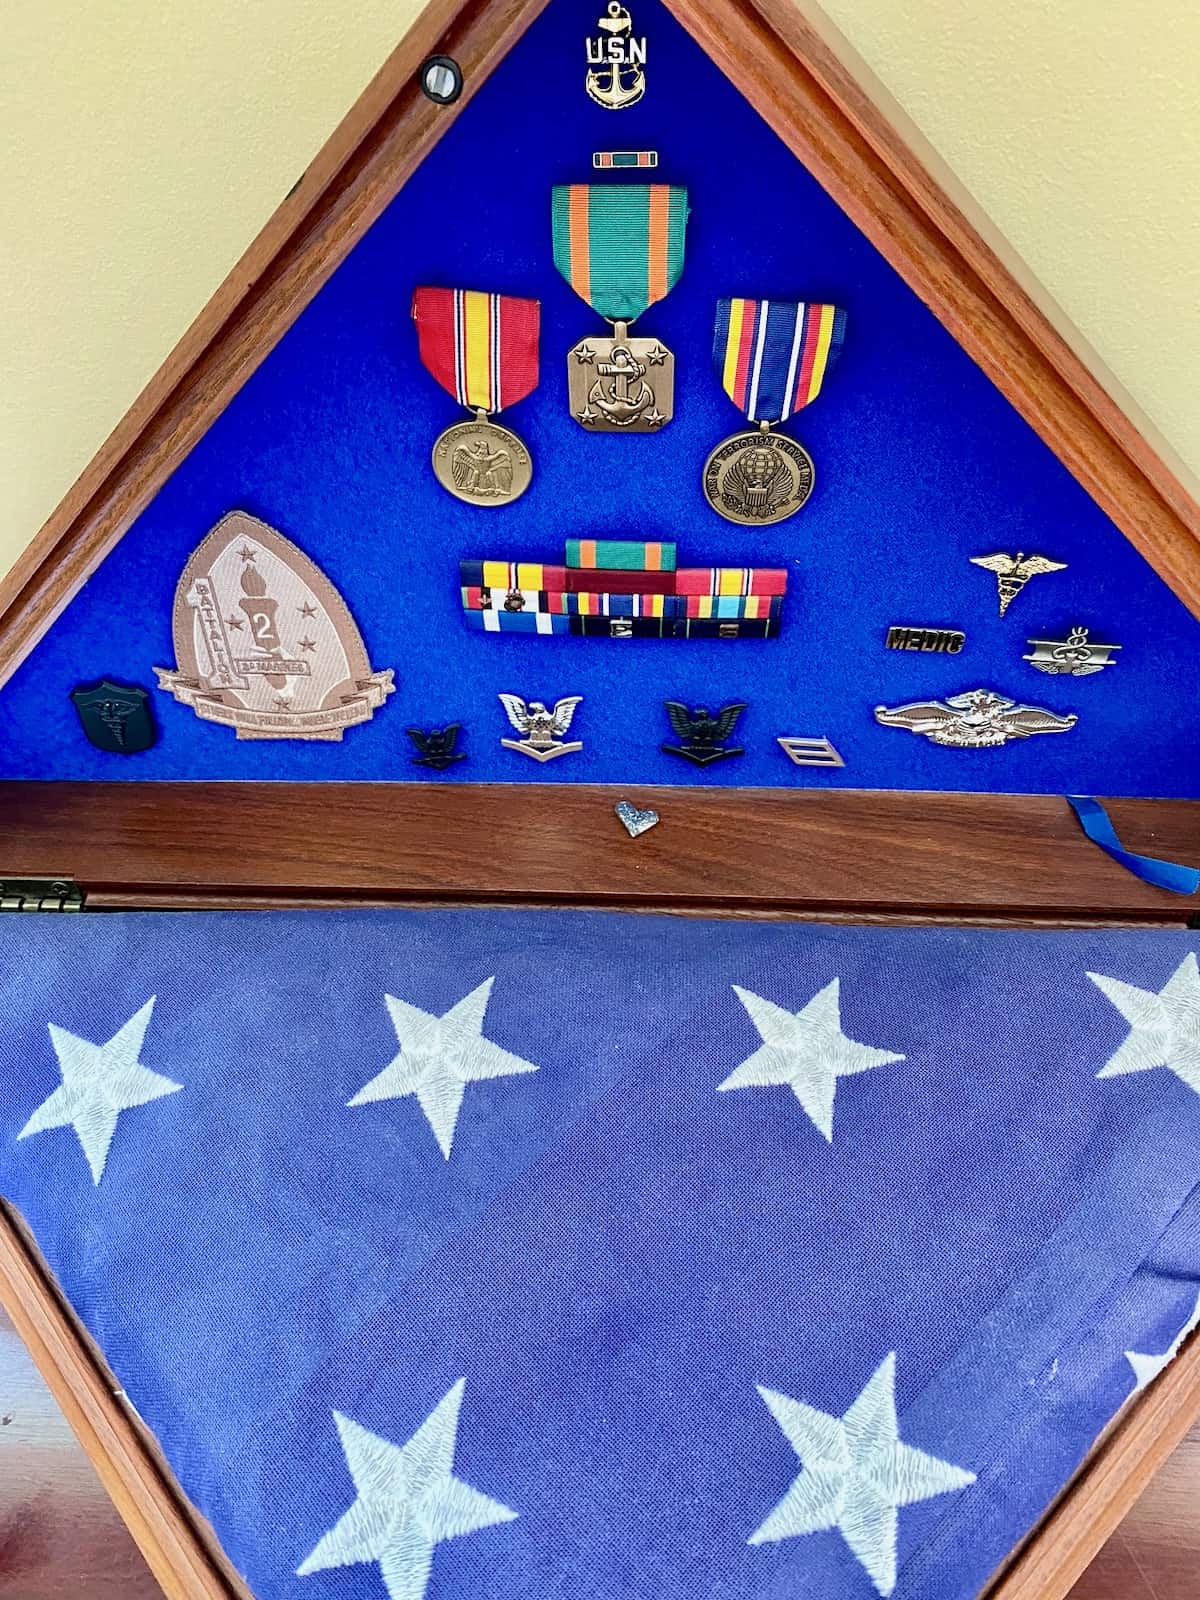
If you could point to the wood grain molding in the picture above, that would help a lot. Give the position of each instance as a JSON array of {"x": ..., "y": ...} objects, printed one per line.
[
  {"x": 782, "y": 60},
  {"x": 1056, "y": 1554},
  {"x": 178, "y": 1547},
  {"x": 753, "y": 851}
]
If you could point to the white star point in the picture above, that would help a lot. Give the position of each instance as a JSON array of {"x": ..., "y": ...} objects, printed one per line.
[
  {"x": 1164, "y": 1026},
  {"x": 99, "y": 1082},
  {"x": 855, "y": 1474},
  {"x": 408, "y": 1502},
  {"x": 806, "y": 1050},
  {"x": 438, "y": 1057}
]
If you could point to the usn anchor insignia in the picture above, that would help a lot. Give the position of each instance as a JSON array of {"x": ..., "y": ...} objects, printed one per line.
[
  {"x": 974, "y": 720},
  {"x": 264, "y": 641},
  {"x": 542, "y": 730},
  {"x": 622, "y": 382},
  {"x": 616, "y": 61}
]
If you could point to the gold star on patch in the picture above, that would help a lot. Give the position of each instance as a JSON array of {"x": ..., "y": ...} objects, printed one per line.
[
  {"x": 307, "y": 610},
  {"x": 308, "y": 644},
  {"x": 246, "y": 553},
  {"x": 233, "y": 622}
]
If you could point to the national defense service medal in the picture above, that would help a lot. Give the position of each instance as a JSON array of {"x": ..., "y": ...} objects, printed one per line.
[
  {"x": 771, "y": 357},
  {"x": 620, "y": 247},
  {"x": 482, "y": 349}
]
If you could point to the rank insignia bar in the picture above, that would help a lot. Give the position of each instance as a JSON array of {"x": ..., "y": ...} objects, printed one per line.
[
  {"x": 543, "y": 731},
  {"x": 624, "y": 158},
  {"x": 701, "y": 733},
  {"x": 809, "y": 752},
  {"x": 1076, "y": 655},
  {"x": 940, "y": 641},
  {"x": 978, "y": 719},
  {"x": 437, "y": 747}
]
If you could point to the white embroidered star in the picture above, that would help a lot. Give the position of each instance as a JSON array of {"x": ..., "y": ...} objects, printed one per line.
[
  {"x": 99, "y": 1081},
  {"x": 807, "y": 1051},
  {"x": 438, "y": 1057},
  {"x": 408, "y": 1501},
  {"x": 1147, "y": 1368},
  {"x": 855, "y": 1473},
  {"x": 1164, "y": 1028}
]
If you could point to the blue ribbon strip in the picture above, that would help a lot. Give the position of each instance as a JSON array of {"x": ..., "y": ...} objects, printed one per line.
[{"x": 1164, "y": 874}]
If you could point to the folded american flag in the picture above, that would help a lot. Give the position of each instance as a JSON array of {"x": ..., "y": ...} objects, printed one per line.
[{"x": 508, "y": 1254}]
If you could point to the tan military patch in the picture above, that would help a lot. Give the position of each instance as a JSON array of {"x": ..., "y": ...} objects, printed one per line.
[{"x": 264, "y": 641}]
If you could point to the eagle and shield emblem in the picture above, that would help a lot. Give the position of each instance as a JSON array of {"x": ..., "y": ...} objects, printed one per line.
[{"x": 265, "y": 643}]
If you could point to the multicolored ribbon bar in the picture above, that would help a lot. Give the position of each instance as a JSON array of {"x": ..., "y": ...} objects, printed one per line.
[
  {"x": 517, "y": 622},
  {"x": 622, "y": 555},
  {"x": 772, "y": 356},
  {"x": 731, "y": 580},
  {"x": 511, "y": 575},
  {"x": 619, "y": 246},
  {"x": 482, "y": 348},
  {"x": 610, "y": 580}
]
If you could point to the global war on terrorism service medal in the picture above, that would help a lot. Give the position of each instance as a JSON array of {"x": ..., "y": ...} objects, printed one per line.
[
  {"x": 620, "y": 247},
  {"x": 482, "y": 349},
  {"x": 771, "y": 357}
]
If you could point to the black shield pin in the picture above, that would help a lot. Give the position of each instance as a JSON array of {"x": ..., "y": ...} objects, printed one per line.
[{"x": 116, "y": 716}]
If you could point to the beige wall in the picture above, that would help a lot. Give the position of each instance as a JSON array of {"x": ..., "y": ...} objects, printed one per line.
[{"x": 144, "y": 142}]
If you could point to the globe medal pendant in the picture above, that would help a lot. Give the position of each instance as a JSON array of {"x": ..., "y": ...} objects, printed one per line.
[
  {"x": 482, "y": 463},
  {"x": 758, "y": 477}
]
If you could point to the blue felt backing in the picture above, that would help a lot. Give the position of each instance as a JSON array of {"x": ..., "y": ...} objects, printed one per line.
[{"x": 920, "y": 464}]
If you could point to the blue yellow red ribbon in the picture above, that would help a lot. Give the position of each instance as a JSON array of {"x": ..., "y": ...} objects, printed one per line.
[{"x": 772, "y": 356}]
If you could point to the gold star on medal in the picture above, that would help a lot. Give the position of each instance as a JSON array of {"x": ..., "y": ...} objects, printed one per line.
[
  {"x": 587, "y": 415},
  {"x": 653, "y": 417},
  {"x": 657, "y": 356},
  {"x": 583, "y": 353}
]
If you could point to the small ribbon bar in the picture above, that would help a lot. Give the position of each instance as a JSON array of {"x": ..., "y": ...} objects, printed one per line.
[
  {"x": 731, "y": 580},
  {"x": 511, "y": 575},
  {"x": 517, "y": 622},
  {"x": 612, "y": 580},
  {"x": 1095, "y": 822},
  {"x": 772, "y": 356},
  {"x": 621, "y": 555},
  {"x": 619, "y": 246},
  {"x": 482, "y": 348}
]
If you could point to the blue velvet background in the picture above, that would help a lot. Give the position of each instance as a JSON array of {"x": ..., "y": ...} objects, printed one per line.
[{"x": 920, "y": 464}]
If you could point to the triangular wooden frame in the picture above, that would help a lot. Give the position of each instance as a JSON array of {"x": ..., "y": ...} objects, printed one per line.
[{"x": 814, "y": 852}]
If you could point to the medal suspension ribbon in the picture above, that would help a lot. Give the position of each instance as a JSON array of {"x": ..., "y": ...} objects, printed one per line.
[
  {"x": 482, "y": 348},
  {"x": 772, "y": 356},
  {"x": 619, "y": 246}
]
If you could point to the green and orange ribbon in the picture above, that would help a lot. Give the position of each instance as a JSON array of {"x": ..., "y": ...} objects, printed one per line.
[{"x": 619, "y": 246}]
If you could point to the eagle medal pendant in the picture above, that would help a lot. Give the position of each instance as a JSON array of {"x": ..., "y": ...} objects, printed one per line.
[
  {"x": 621, "y": 384},
  {"x": 758, "y": 477},
  {"x": 482, "y": 463}
]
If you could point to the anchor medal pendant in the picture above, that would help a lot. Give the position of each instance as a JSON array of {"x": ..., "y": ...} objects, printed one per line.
[
  {"x": 482, "y": 349},
  {"x": 758, "y": 476},
  {"x": 771, "y": 358},
  {"x": 481, "y": 462},
  {"x": 621, "y": 248},
  {"x": 621, "y": 384}
]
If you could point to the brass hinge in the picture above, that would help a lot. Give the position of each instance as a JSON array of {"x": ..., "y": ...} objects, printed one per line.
[{"x": 40, "y": 894}]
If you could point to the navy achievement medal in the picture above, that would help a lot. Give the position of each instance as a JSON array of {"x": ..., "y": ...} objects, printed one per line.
[
  {"x": 620, "y": 247},
  {"x": 482, "y": 349},
  {"x": 771, "y": 357}
]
